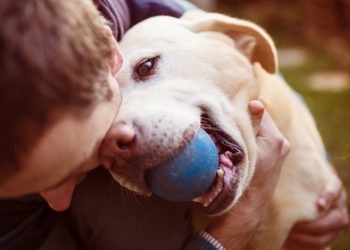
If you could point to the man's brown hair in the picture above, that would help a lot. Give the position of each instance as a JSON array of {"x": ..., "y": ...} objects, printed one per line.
[{"x": 53, "y": 56}]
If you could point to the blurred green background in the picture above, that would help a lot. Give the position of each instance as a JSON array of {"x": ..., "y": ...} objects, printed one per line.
[{"x": 313, "y": 38}]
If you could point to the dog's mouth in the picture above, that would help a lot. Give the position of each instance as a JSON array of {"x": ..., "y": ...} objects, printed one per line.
[{"x": 223, "y": 191}]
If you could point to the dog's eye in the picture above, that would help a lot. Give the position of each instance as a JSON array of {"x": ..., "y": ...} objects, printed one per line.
[{"x": 145, "y": 68}]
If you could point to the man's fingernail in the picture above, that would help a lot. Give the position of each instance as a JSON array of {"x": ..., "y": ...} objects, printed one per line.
[
  {"x": 256, "y": 107},
  {"x": 323, "y": 202}
]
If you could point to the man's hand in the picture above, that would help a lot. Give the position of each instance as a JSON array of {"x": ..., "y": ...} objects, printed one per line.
[
  {"x": 319, "y": 233},
  {"x": 237, "y": 227}
]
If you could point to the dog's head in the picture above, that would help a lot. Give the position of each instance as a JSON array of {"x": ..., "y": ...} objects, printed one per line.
[{"x": 182, "y": 74}]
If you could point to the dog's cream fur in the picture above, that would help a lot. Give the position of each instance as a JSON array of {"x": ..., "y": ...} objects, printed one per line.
[{"x": 219, "y": 63}]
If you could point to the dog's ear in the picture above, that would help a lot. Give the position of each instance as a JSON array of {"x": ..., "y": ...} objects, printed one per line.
[{"x": 249, "y": 38}]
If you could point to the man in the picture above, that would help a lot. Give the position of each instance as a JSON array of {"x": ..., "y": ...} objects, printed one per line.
[{"x": 58, "y": 100}]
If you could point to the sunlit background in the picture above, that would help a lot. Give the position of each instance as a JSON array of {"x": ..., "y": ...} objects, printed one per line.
[{"x": 313, "y": 39}]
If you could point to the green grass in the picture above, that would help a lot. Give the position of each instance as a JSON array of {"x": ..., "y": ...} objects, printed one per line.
[
  {"x": 332, "y": 115},
  {"x": 331, "y": 110}
]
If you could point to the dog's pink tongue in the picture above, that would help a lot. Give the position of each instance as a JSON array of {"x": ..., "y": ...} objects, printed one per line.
[
  {"x": 60, "y": 197},
  {"x": 225, "y": 159}
]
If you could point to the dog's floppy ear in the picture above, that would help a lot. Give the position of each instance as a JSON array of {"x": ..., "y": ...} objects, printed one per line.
[{"x": 249, "y": 38}]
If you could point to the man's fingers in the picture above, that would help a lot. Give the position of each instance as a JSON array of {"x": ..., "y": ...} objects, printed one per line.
[
  {"x": 256, "y": 109},
  {"x": 330, "y": 194},
  {"x": 264, "y": 126},
  {"x": 269, "y": 131},
  {"x": 334, "y": 221},
  {"x": 319, "y": 233}
]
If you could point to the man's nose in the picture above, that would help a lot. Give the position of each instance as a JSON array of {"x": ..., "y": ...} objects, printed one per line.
[{"x": 118, "y": 144}]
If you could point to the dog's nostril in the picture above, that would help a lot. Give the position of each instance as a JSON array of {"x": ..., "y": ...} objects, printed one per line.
[{"x": 125, "y": 144}]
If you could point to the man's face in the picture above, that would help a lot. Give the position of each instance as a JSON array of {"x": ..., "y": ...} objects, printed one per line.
[{"x": 65, "y": 152}]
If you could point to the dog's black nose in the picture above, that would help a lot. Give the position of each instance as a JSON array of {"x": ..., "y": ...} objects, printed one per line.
[{"x": 118, "y": 143}]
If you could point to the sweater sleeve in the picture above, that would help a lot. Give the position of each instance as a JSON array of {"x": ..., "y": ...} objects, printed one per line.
[
  {"x": 117, "y": 15},
  {"x": 122, "y": 14},
  {"x": 142, "y": 9},
  {"x": 203, "y": 241}
]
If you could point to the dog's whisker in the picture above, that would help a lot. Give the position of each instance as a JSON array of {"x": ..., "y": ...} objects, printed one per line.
[
  {"x": 123, "y": 195},
  {"x": 131, "y": 196}
]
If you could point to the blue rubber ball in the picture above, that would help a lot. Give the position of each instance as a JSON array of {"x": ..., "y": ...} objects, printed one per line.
[{"x": 187, "y": 175}]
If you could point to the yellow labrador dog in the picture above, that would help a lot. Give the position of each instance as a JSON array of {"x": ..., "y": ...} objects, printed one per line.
[{"x": 201, "y": 71}]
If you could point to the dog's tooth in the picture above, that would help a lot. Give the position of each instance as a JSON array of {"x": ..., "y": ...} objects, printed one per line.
[
  {"x": 208, "y": 197},
  {"x": 217, "y": 192},
  {"x": 220, "y": 172},
  {"x": 198, "y": 199}
]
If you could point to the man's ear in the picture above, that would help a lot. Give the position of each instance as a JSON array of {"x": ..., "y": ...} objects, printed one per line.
[
  {"x": 115, "y": 61},
  {"x": 249, "y": 38}
]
